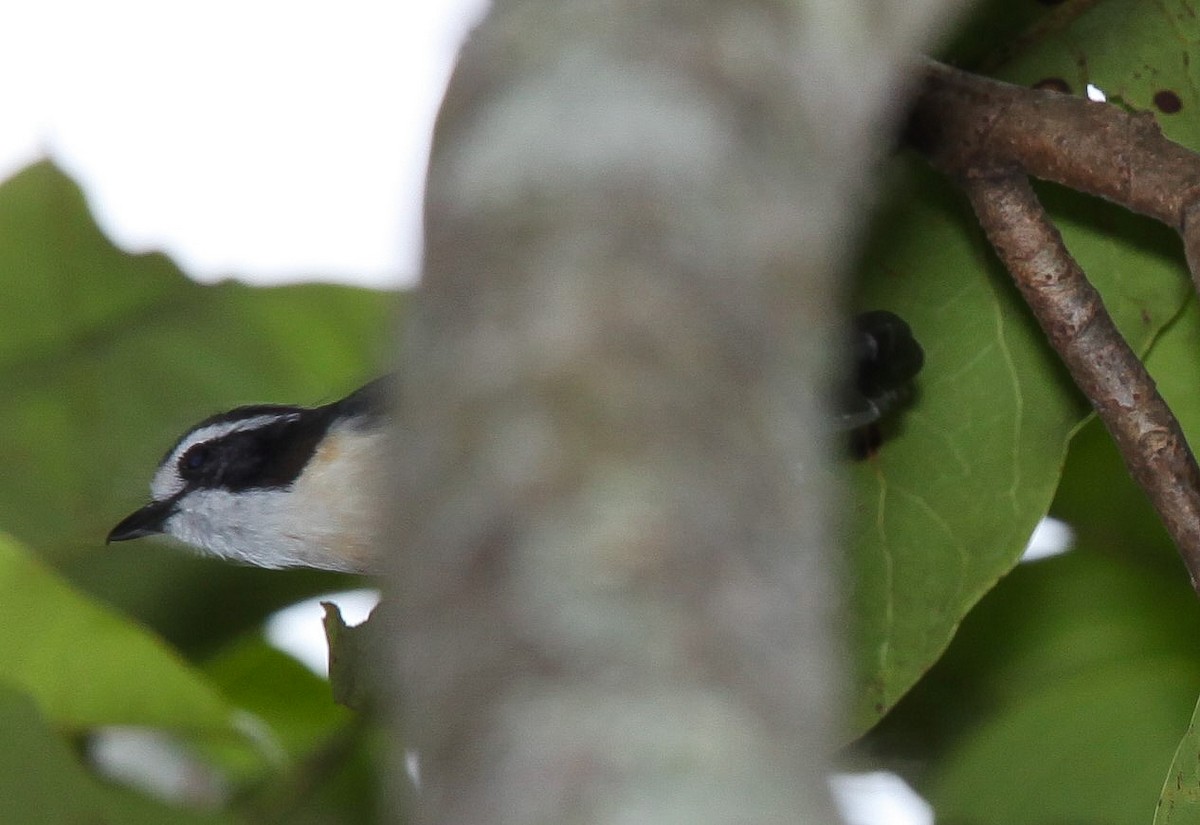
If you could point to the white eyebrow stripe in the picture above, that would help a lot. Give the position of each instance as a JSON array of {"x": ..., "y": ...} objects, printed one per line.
[{"x": 166, "y": 481}]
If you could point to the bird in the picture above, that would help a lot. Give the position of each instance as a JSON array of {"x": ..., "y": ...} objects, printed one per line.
[
  {"x": 275, "y": 486},
  {"x": 286, "y": 486}
]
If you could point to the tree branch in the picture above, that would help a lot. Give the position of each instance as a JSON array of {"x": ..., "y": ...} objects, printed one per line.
[
  {"x": 615, "y": 561},
  {"x": 1103, "y": 366},
  {"x": 989, "y": 135},
  {"x": 963, "y": 120}
]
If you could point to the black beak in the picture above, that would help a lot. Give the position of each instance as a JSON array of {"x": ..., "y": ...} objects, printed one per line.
[{"x": 144, "y": 522}]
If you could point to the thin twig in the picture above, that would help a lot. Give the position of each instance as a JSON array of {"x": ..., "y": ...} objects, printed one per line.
[
  {"x": 963, "y": 120},
  {"x": 1073, "y": 316}
]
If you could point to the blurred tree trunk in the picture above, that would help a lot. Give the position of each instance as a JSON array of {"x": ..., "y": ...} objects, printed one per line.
[{"x": 617, "y": 574}]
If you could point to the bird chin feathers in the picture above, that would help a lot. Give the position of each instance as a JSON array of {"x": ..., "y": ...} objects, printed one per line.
[{"x": 255, "y": 528}]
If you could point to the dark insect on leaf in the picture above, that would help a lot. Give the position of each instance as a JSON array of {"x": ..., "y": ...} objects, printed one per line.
[{"x": 887, "y": 359}]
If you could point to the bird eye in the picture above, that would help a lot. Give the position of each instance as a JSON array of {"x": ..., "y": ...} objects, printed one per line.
[{"x": 194, "y": 459}]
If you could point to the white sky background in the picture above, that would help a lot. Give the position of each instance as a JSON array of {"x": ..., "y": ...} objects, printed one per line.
[{"x": 269, "y": 139}]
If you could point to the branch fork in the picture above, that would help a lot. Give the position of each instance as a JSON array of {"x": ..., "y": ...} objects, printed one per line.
[{"x": 991, "y": 137}]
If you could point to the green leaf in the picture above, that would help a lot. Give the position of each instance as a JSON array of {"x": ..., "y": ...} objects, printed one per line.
[
  {"x": 1064, "y": 694},
  {"x": 1177, "y": 371},
  {"x": 1133, "y": 50},
  {"x": 85, "y": 665},
  {"x": 107, "y": 357},
  {"x": 293, "y": 710},
  {"x": 946, "y": 507},
  {"x": 1087, "y": 749},
  {"x": 42, "y": 783},
  {"x": 328, "y": 758},
  {"x": 1179, "y": 803}
]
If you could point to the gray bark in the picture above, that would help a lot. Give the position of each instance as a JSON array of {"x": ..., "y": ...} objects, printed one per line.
[{"x": 616, "y": 565}]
